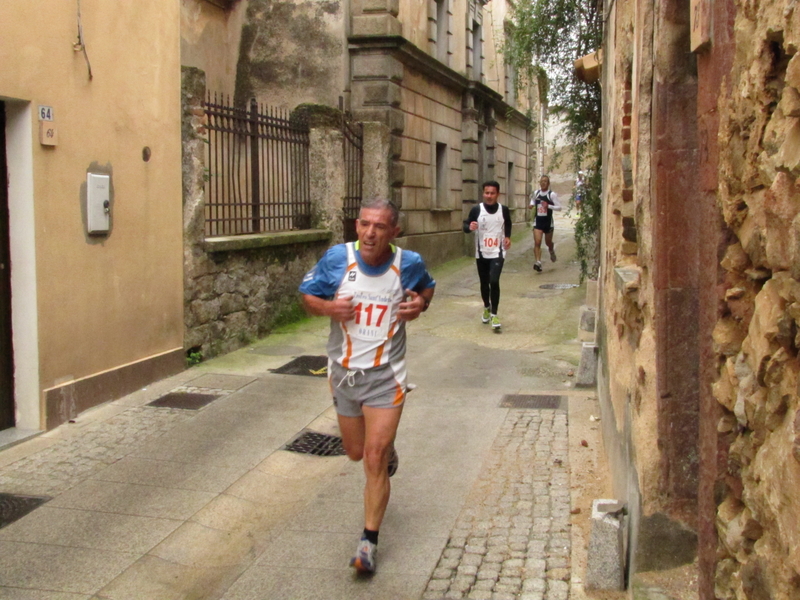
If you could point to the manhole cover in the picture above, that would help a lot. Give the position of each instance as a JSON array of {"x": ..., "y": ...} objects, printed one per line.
[
  {"x": 313, "y": 366},
  {"x": 318, "y": 444},
  {"x": 13, "y": 506},
  {"x": 533, "y": 401},
  {"x": 558, "y": 286},
  {"x": 187, "y": 400}
]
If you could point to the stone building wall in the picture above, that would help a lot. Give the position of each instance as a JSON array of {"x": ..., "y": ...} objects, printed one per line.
[
  {"x": 700, "y": 286},
  {"x": 756, "y": 338}
]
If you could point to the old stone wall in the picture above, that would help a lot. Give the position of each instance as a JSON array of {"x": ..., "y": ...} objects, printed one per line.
[
  {"x": 237, "y": 289},
  {"x": 700, "y": 288},
  {"x": 292, "y": 52},
  {"x": 756, "y": 339},
  {"x": 648, "y": 335}
]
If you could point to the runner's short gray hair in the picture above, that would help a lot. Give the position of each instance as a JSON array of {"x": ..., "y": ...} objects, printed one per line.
[{"x": 381, "y": 203}]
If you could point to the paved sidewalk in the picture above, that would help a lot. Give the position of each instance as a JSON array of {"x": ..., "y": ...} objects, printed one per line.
[{"x": 162, "y": 503}]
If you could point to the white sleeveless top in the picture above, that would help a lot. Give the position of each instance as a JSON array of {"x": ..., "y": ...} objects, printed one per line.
[
  {"x": 490, "y": 234},
  {"x": 375, "y": 336}
]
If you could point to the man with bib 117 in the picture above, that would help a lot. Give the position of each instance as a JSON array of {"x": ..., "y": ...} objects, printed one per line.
[{"x": 369, "y": 289}]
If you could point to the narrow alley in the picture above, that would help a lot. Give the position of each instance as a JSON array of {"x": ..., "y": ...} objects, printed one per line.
[{"x": 491, "y": 501}]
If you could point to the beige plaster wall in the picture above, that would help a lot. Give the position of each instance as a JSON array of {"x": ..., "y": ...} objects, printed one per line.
[{"x": 103, "y": 302}]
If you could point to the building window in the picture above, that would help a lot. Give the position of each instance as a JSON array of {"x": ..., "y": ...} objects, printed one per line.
[
  {"x": 441, "y": 192},
  {"x": 477, "y": 51}
]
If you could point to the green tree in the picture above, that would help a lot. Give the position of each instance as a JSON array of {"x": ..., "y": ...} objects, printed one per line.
[{"x": 542, "y": 43}]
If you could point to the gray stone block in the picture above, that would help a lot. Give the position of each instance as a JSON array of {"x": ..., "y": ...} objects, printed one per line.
[
  {"x": 587, "y": 370},
  {"x": 588, "y": 318},
  {"x": 605, "y": 565}
]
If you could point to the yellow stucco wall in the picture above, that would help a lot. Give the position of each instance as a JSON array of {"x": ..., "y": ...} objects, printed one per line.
[{"x": 103, "y": 302}]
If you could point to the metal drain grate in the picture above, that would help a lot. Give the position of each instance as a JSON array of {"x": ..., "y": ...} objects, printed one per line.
[
  {"x": 186, "y": 400},
  {"x": 14, "y": 506},
  {"x": 534, "y": 401},
  {"x": 313, "y": 366},
  {"x": 558, "y": 286},
  {"x": 318, "y": 444}
]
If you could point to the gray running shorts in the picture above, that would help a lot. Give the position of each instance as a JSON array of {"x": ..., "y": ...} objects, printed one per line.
[{"x": 352, "y": 389}]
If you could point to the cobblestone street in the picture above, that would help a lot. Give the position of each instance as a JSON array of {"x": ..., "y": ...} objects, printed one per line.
[{"x": 512, "y": 539}]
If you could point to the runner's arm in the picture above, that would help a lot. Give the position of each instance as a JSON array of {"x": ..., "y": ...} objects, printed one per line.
[
  {"x": 472, "y": 218},
  {"x": 554, "y": 203},
  {"x": 338, "y": 309}
]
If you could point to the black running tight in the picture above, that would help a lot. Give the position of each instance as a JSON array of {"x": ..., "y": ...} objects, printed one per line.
[{"x": 489, "y": 270}]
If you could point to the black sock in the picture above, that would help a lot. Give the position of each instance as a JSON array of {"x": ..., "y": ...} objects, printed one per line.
[{"x": 370, "y": 535}]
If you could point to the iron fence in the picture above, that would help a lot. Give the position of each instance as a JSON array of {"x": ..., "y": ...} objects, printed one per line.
[
  {"x": 257, "y": 177},
  {"x": 353, "y": 149}
]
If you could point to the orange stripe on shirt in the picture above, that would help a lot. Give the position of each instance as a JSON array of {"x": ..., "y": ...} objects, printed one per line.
[
  {"x": 379, "y": 351},
  {"x": 349, "y": 352},
  {"x": 395, "y": 269}
]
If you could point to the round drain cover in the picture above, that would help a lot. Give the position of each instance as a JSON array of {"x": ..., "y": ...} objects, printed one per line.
[{"x": 558, "y": 286}]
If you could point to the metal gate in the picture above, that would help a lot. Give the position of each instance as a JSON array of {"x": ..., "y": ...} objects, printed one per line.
[
  {"x": 6, "y": 350},
  {"x": 353, "y": 142},
  {"x": 257, "y": 177}
]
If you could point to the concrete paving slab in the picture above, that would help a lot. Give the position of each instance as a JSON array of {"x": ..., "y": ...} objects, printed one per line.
[
  {"x": 90, "y": 529},
  {"x": 59, "y": 568},
  {"x": 298, "y": 583},
  {"x": 266, "y": 488},
  {"x": 130, "y": 499},
  {"x": 282, "y": 387},
  {"x": 403, "y": 554},
  {"x": 309, "y": 400},
  {"x": 195, "y": 545},
  {"x": 220, "y": 423},
  {"x": 8, "y": 593},
  {"x": 296, "y": 465},
  {"x": 152, "y": 578},
  {"x": 216, "y": 450},
  {"x": 219, "y": 381},
  {"x": 228, "y": 513},
  {"x": 163, "y": 473}
]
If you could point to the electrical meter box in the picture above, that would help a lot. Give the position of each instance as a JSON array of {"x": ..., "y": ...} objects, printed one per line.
[{"x": 98, "y": 207}]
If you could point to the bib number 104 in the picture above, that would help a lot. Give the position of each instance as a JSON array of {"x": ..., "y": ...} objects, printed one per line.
[
  {"x": 491, "y": 242},
  {"x": 372, "y": 311}
]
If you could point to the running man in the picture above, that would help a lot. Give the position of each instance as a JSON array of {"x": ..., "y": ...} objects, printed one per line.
[
  {"x": 544, "y": 201},
  {"x": 369, "y": 289},
  {"x": 492, "y": 223}
]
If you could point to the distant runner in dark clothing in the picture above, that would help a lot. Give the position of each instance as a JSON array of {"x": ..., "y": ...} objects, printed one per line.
[{"x": 543, "y": 201}]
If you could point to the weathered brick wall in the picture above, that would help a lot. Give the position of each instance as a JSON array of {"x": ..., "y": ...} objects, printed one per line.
[{"x": 757, "y": 337}]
